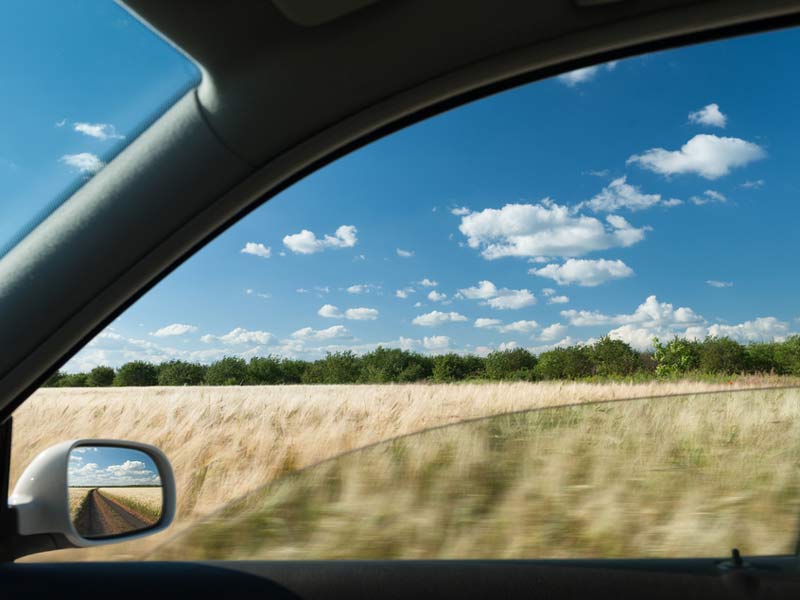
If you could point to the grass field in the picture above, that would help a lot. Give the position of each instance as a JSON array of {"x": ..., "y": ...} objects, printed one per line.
[
  {"x": 77, "y": 496},
  {"x": 226, "y": 442},
  {"x": 143, "y": 501}
]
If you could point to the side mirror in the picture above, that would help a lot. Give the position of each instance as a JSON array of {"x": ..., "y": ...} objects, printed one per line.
[{"x": 89, "y": 492}]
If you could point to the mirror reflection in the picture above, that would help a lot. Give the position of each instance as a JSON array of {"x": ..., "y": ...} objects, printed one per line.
[{"x": 112, "y": 491}]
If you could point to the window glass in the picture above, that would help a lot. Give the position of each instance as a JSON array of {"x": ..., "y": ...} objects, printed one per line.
[
  {"x": 623, "y": 231},
  {"x": 79, "y": 81}
]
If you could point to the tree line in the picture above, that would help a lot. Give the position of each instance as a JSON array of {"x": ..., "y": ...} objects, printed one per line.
[{"x": 607, "y": 358}]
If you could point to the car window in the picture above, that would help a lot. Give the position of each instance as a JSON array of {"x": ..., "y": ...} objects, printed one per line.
[
  {"x": 625, "y": 231},
  {"x": 84, "y": 79}
]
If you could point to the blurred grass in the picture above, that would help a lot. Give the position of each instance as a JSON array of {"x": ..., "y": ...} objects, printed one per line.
[{"x": 683, "y": 476}]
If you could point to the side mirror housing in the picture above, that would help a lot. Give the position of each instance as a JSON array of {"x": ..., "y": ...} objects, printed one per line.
[{"x": 90, "y": 492}]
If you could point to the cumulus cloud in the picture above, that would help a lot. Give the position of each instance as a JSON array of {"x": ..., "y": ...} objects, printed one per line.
[
  {"x": 706, "y": 155},
  {"x": 428, "y": 283},
  {"x": 709, "y": 115},
  {"x": 256, "y": 249},
  {"x": 329, "y": 311},
  {"x": 501, "y": 299},
  {"x": 436, "y": 318},
  {"x": 84, "y": 162},
  {"x": 519, "y": 327},
  {"x": 174, "y": 329},
  {"x": 482, "y": 323},
  {"x": 306, "y": 242},
  {"x": 587, "y": 273},
  {"x": 362, "y": 288},
  {"x": 762, "y": 328},
  {"x": 578, "y": 76},
  {"x": 404, "y": 292},
  {"x": 460, "y": 211},
  {"x": 553, "y": 332},
  {"x": 719, "y": 284},
  {"x": 435, "y": 296},
  {"x": 240, "y": 335},
  {"x": 309, "y": 333},
  {"x": 708, "y": 196},
  {"x": 544, "y": 229},
  {"x": 404, "y": 253},
  {"x": 484, "y": 290},
  {"x": 651, "y": 311},
  {"x": 619, "y": 194},
  {"x": 558, "y": 299},
  {"x": 100, "y": 131},
  {"x": 436, "y": 342}
]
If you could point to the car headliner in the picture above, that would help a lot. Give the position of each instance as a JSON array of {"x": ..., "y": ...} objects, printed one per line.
[{"x": 280, "y": 99}]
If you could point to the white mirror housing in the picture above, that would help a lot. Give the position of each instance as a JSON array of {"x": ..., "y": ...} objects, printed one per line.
[{"x": 41, "y": 498}]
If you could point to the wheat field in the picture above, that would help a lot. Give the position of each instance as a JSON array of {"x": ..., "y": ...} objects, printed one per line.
[{"x": 225, "y": 442}]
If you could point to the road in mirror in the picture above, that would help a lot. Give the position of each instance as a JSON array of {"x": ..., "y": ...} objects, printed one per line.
[{"x": 112, "y": 491}]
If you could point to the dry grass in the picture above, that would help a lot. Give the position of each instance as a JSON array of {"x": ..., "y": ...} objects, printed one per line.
[
  {"x": 225, "y": 442},
  {"x": 144, "y": 501},
  {"x": 77, "y": 496}
]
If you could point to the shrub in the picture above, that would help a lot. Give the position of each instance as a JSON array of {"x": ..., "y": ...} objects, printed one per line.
[
  {"x": 614, "y": 357},
  {"x": 264, "y": 370},
  {"x": 136, "y": 373},
  {"x": 388, "y": 365},
  {"x": 293, "y": 370},
  {"x": 179, "y": 372},
  {"x": 227, "y": 371},
  {"x": 722, "y": 355},
  {"x": 573, "y": 362},
  {"x": 454, "y": 367},
  {"x": 787, "y": 356},
  {"x": 761, "y": 358},
  {"x": 73, "y": 380},
  {"x": 336, "y": 367},
  {"x": 510, "y": 364},
  {"x": 101, "y": 377},
  {"x": 676, "y": 357}
]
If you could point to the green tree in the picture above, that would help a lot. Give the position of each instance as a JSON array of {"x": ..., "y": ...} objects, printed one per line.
[
  {"x": 787, "y": 356},
  {"x": 74, "y": 380},
  {"x": 722, "y": 356},
  {"x": 390, "y": 365},
  {"x": 54, "y": 379},
  {"x": 336, "y": 367},
  {"x": 676, "y": 357},
  {"x": 573, "y": 362},
  {"x": 761, "y": 358},
  {"x": 516, "y": 364},
  {"x": 455, "y": 367},
  {"x": 293, "y": 370},
  {"x": 101, "y": 377},
  {"x": 180, "y": 372},
  {"x": 230, "y": 370},
  {"x": 614, "y": 357},
  {"x": 136, "y": 373}
]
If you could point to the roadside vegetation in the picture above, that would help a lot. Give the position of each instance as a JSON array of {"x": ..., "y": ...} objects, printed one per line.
[
  {"x": 145, "y": 502},
  {"x": 606, "y": 359}
]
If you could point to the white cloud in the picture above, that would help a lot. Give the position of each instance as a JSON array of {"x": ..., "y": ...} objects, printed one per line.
[
  {"x": 587, "y": 273},
  {"x": 753, "y": 185},
  {"x": 507, "y": 346},
  {"x": 243, "y": 336},
  {"x": 719, "y": 284},
  {"x": 709, "y": 115},
  {"x": 361, "y": 314},
  {"x": 308, "y": 333},
  {"x": 651, "y": 312},
  {"x": 553, "y": 332},
  {"x": 436, "y": 318},
  {"x": 460, "y": 211},
  {"x": 256, "y": 250},
  {"x": 558, "y": 299},
  {"x": 435, "y": 296},
  {"x": 436, "y": 342},
  {"x": 361, "y": 288},
  {"x": 544, "y": 229},
  {"x": 428, "y": 282},
  {"x": 306, "y": 242},
  {"x": 482, "y": 323},
  {"x": 100, "y": 131},
  {"x": 620, "y": 194},
  {"x": 404, "y": 292},
  {"x": 519, "y": 327},
  {"x": 417, "y": 304},
  {"x": 762, "y": 328},
  {"x": 84, "y": 162},
  {"x": 484, "y": 290},
  {"x": 708, "y": 196},
  {"x": 512, "y": 299},
  {"x": 706, "y": 155},
  {"x": 547, "y": 292},
  {"x": 404, "y": 253},
  {"x": 329, "y": 311},
  {"x": 174, "y": 329},
  {"x": 585, "y": 74}
]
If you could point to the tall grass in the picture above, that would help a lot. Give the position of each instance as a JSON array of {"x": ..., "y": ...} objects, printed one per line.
[{"x": 226, "y": 442}]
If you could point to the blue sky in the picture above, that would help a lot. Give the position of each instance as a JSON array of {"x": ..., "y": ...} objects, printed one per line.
[
  {"x": 654, "y": 196},
  {"x": 104, "y": 466}
]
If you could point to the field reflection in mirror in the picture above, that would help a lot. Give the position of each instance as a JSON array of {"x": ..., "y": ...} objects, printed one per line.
[
  {"x": 112, "y": 491},
  {"x": 665, "y": 477}
]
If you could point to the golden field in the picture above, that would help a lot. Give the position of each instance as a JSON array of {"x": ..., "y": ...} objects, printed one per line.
[
  {"x": 146, "y": 502},
  {"x": 226, "y": 442}
]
